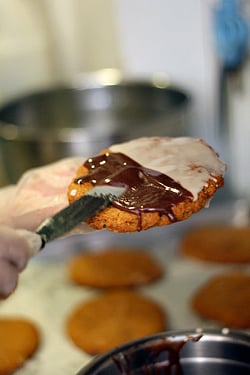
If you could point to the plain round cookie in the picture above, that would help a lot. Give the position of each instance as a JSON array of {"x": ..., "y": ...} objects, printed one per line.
[
  {"x": 114, "y": 267},
  {"x": 190, "y": 162},
  {"x": 225, "y": 298},
  {"x": 113, "y": 318},
  {"x": 217, "y": 243},
  {"x": 19, "y": 339}
]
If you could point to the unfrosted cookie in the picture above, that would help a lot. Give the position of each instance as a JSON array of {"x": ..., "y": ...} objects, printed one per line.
[
  {"x": 225, "y": 298},
  {"x": 114, "y": 267},
  {"x": 113, "y": 318},
  {"x": 166, "y": 180},
  {"x": 220, "y": 243},
  {"x": 19, "y": 339}
]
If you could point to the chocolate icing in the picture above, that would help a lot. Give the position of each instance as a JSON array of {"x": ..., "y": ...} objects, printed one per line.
[
  {"x": 152, "y": 362},
  {"x": 147, "y": 190}
]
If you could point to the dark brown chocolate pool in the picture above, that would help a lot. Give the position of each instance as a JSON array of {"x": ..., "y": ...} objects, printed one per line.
[
  {"x": 147, "y": 190},
  {"x": 152, "y": 351}
]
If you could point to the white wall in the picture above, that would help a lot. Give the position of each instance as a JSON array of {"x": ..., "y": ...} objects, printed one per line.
[
  {"x": 174, "y": 37},
  {"x": 24, "y": 55},
  {"x": 44, "y": 41}
]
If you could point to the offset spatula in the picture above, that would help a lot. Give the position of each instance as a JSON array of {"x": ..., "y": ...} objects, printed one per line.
[{"x": 79, "y": 211}]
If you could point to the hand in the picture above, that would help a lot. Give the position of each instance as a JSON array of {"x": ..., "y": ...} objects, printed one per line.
[
  {"x": 40, "y": 193},
  {"x": 16, "y": 247}
]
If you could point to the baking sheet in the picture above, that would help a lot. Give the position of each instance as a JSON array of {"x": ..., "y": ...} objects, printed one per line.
[{"x": 46, "y": 295}]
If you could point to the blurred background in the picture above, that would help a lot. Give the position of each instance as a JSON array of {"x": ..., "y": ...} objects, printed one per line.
[
  {"x": 78, "y": 75},
  {"x": 199, "y": 46}
]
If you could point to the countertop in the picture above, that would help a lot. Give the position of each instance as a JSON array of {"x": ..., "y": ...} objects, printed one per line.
[{"x": 46, "y": 295}]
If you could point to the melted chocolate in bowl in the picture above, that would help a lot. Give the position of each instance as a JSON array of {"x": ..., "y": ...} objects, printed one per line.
[
  {"x": 154, "y": 350},
  {"x": 147, "y": 190},
  {"x": 175, "y": 353}
]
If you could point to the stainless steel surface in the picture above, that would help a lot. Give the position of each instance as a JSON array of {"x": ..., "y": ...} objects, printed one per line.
[
  {"x": 82, "y": 119},
  {"x": 79, "y": 211},
  {"x": 218, "y": 352}
]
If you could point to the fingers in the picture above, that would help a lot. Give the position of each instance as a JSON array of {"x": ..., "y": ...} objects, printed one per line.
[
  {"x": 33, "y": 240},
  {"x": 6, "y": 197},
  {"x": 39, "y": 194},
  {"x": 13, "y": 248},
  {"x": 16, "y": 247},
  {"x": 8, "y": 278},
  {"x": 32, "y": 219}
]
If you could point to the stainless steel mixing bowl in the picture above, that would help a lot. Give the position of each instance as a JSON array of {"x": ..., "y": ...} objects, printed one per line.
[
  {"x": 216, "y": 352},
  {"x": 83, "y": 118}
]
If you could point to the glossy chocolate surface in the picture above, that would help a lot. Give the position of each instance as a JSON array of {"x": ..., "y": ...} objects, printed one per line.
[{"x": 147, "y": 190}]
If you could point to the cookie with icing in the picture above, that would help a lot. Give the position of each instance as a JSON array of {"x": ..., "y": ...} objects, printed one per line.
[{"x": 166, "y": 180}]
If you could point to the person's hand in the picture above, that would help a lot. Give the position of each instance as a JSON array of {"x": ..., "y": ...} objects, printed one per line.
[
  {"x": 16, "y": 247},
  {"x": 40, "y": 193}
]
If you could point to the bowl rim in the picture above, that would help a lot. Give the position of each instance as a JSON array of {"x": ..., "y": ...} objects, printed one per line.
[
  {"x": 11, "y": 131},
  {"x": 227, "y": 334},
  {"x": 104, "y": 78}
]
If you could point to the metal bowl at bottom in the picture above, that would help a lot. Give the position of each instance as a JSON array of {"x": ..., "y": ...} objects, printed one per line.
[{"x": 180, "y": 352}]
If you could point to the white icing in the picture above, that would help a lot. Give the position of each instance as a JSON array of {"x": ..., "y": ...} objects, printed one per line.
[
  {"x": 189, "y": 161},
  {"x": 73, "y": 192}
]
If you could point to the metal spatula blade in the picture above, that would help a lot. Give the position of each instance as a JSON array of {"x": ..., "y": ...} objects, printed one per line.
[{"x": 79, "y": 211}]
